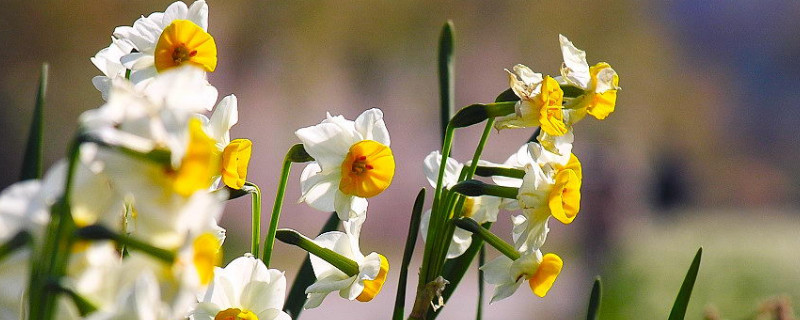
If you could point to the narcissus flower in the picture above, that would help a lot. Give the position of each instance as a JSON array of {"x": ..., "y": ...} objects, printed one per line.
[
  {"x": 549, "y": 190},
  {"x": 234, "y": 155},
  {"x": 166, "y": 40},
  {"x": 363, "y": 286},
  {"x": 599, "y": 82},
  {"x": 507, "y": 275},
  {"x": 245, "y": 289},
  {"x": 540, "y": 102},
  {"x": 353, "y": 162},
  {"x": 481, "y": 209}
]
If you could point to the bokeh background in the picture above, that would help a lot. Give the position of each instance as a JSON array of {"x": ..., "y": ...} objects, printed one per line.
[{"x": 703, "y": 149}]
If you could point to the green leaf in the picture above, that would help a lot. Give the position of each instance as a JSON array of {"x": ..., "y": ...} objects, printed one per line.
[
  {"x": 454, "y": 269},
  {"x": 594, "y": 300},
  {"x": 507, "y": 96},
  {"x": 19, "y": 240},
  {"x": 481, "y": 261},
  {"x": 477, "y": 113},
  {"x": 446, "y": 78},
  {"x": 305, "y": 277},
  {"x": 682, "y": 301},
  {"x": 411, "y": 240},
  {"x": 32, "y": 162}
]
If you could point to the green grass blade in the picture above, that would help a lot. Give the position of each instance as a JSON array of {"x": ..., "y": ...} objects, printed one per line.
[
  {"x": 411, "y": 240},
  {"x": 32, "y": 162},
  {"x": 305, "y": 277},
  {"x": 446, "y": 79},
  {"x": 481, "y": 261},
  {"x": 594, "y": 300},
  {"x": 682, "y": 301},
  {"x": 454, "y": 269}
]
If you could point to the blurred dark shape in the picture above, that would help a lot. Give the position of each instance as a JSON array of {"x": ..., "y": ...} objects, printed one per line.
[{"x": 670, "y": 186}]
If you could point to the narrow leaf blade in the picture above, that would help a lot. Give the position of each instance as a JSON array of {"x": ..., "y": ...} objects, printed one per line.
[
  {"x": 446, "y": 79},
  {"x": 411, "y": 240},
  {"x": 682, "y": 301},
  {"x": 305, "y": 277},
  {"x": 594, "y": 300},
  {"x": 454, "y": 269},
  {"x": 32, "y": 161}
]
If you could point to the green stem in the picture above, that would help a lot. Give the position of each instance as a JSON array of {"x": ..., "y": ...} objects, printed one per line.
[
  {"x": 488, "y": 171},
  {"x": 456, "y": 206},
  {"x": 269, "y": 241},
  {"x": 489, "y": 237},
  {"x": 255, "y": 214},
  {"x": 99, "y": 232},
  {"x": 481, "y": 261},
  {"x": 53, "y": 258},
  {"x": 345, "y": 264},
  {"x": 438, "y": 217}
]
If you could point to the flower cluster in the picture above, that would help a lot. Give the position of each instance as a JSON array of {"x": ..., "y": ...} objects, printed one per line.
[
  {"x": 541, "y": 180},
  {"x": 128, "y": 223},
  {"x": 127, "y": 226}
]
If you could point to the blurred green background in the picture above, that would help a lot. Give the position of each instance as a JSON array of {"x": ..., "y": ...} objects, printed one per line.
[{"x": 702, "y": 151}]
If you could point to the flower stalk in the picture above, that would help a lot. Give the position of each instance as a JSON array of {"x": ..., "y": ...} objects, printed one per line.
[{"x": 339, "y": 261}]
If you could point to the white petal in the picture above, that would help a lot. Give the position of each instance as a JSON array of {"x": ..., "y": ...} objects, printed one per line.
[
  {"x": 505, "y": 290},
  {"x": 198, "y": 13},
  {"x": 349, "y": 207},
  {"x": 575, "y": 68},
  {"x": 225, "y": 115},
  {"x": 319, "y": 189},
  {"x": 452, "y": 169},
  {"x": 328, "y": 142},
  {"x": 176, "y": 11},
  {"x": 314, "y": 299},
  {"x": 496, "y": 271},
  {"x": 371, "y": 126},
  {"x": 460, "y": 243}
]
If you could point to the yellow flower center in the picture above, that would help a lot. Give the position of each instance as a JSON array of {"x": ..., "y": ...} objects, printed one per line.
[
  {"x": 601, "y": 104},
  {"x": 185, "y": 42},
  {"x": 550, "y": 100},
  {"x": 207, "y": 255},
  {"x": 468, "y": 209},
  {"x": 546, "y": 274},
  {"x": 373, "y": 287},
  {"x": 564, "y": 199},
  {"x": 235, "y": 314},
  {"x": 235, "y": 159},
  {"x": 367, "y": 169},
  {"x": 198, "y": 164}
]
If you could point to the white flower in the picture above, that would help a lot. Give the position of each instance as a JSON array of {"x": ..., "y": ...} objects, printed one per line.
[
  {"x": 540, "y": 102},
  {"x": 481, "y": 209},
  {"x": 600, "y": 82},
  {"x": 353, "y": 162},
  {"x": 372, "y": 271},
  {"x": 108, "y": 61},
  {"x": 164, "y": 40},
  {"x": 507, "y": 275},
  {"x": 243, "y": 288},
  {"x": 235, "y": 155}
]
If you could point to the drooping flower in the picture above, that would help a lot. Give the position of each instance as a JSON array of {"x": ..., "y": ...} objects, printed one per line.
[
  {"x": 481, "y": 209},
  {"x": 550, "y": 190},
  {"x": 245, "y": 289},
  {"x": 162, "y": 41},
  {"x": 540, "y": 102},
  {"x": 234, "y": 155},
  {"x": 363, "y": 286},
  {"x": 507, "y": 275},
  {"x": 353, "y": 162},
  {"x": 108, "y": 60},
  {"x": 599, "y": 82}
]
